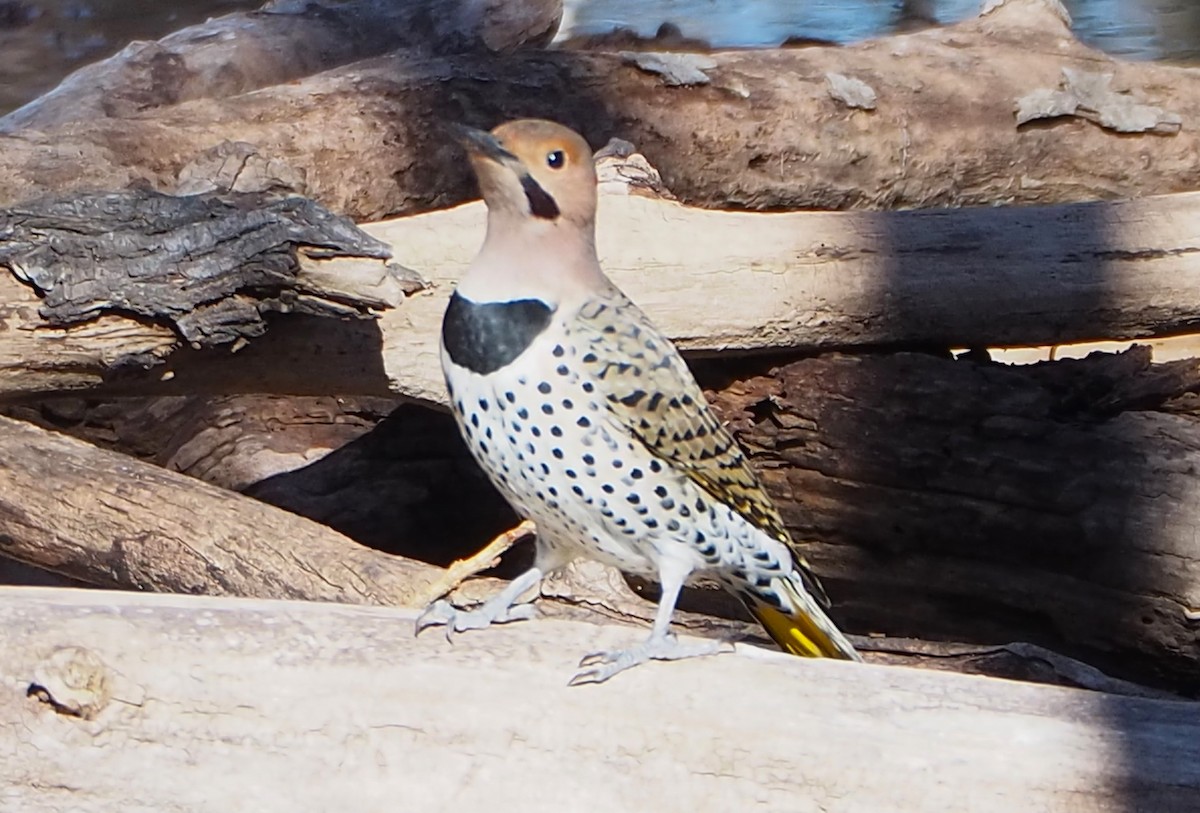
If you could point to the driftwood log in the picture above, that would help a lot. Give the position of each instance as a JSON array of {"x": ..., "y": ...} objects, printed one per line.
[
  {"x": 939, "y": 498},
  {"x": 117, "y": 281},
  {"x": 106, "y": 519},
  {"x": 730, "y": 281},
  {"x": 788, "y": 128},
  {"x": 284, "y": 41},
  {"x": 218, "y": 704},
  {"x": 971, "y": 278}
]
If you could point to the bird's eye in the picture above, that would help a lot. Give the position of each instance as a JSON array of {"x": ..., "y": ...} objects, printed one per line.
[{"x": 556, "y": 160}]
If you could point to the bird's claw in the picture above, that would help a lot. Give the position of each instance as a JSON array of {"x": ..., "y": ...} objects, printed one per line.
[
  {"x": 443, "y": 613},
  {"x": 439, "y": 612},
  {"x": 597, "y": 667}
]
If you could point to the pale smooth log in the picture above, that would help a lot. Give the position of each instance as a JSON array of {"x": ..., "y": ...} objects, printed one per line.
[
  {"x": 730, "y": 281},
  {"x": 144, "y": 702},
  {"x": 768, "y": 129}
]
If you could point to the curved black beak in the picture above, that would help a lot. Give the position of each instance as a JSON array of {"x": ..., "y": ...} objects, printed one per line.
[
  {"x": 484, "y": 145},
  {"x": 481, "y": 143}
]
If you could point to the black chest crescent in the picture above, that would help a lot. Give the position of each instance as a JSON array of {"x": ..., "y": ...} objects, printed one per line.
[{"x": 485, "y": 336}]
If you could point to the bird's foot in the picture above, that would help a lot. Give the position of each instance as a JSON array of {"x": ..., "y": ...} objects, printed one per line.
[
  {"x": 598, "y": 667},
  {"x": 443, "y": 613}
]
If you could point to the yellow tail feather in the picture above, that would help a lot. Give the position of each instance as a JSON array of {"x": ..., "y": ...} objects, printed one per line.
[{"x": 801, "y": 635}]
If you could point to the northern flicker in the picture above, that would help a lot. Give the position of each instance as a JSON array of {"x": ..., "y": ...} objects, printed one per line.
[{"x": 587, "y": 419}]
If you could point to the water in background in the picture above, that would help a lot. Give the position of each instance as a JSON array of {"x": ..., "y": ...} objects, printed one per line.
[
  {"x": 43, "y": 40},
  {"x": 1135, "y": 29}
]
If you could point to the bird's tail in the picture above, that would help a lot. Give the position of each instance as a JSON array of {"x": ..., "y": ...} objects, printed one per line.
[{"x": 800, "y": 626}]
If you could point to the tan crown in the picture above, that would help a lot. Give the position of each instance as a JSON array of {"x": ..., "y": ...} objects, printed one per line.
[{"x": 571, "y": 183}]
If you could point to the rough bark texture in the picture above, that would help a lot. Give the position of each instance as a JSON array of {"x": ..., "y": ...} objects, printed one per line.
[
  {"x": 120, "y": 280},
  {"x": 806, "y": 280},
  {"x": 945, "y": 496},
  {"x": 165, "y": 703},
  {"x": 97, "y": 516},
  {"x": 366, "y": 140},
  {"x": 284, "y": 41}
]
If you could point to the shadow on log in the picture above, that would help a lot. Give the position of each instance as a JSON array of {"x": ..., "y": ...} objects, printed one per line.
[
  {"x": 1054, "y": 503},
  {"x": 409, "y": 486},
  {"x": 938, "y": 498}
]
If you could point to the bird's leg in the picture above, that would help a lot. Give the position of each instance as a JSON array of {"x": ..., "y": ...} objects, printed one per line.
[
  {"x": 499, "y": 609},
  {"x": 662, "y": 645},
  {"x": 462, "y": 569}
]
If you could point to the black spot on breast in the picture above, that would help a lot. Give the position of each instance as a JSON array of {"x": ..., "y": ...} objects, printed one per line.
[{"x": 484, "y": 337}]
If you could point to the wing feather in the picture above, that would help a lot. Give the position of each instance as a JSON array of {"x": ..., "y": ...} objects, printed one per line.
[{"x": 652, "y": 393}]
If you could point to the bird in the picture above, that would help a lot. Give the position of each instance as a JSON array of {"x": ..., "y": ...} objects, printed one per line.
[{"x": 586, "y": 418}]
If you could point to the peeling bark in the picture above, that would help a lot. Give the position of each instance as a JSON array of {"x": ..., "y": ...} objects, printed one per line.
[{"x": 121, "y": 280}]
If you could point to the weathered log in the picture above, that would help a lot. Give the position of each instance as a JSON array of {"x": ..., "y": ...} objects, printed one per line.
[
  {"x": 117, "y": 281},
  {"x": 98, "y": 516},
  {"x": 365, "y": 140},
  {"x": 282, "y": 42},
  {"x": 490, "y": 723},
  {"x": 1058, "y": 500},
  {"x": 938, "y": 498},
  {"x": 85, "y": 513},
  {"x": 958, "y": 278},
  {"x": 732, "y": 281}
]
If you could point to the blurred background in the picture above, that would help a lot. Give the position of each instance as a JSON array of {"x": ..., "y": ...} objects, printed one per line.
[{"x": 43, "y": 40}]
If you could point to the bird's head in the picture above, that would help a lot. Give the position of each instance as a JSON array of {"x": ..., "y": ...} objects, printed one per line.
[{"x": 534, "y": 170}]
